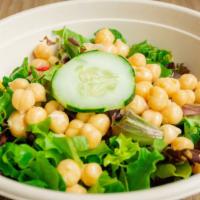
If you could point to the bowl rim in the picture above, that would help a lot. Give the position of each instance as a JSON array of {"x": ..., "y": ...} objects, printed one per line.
[{"x": 163, "y": 191}]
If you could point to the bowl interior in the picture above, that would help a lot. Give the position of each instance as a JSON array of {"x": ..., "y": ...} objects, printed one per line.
[{"x": 137, "y": 20}]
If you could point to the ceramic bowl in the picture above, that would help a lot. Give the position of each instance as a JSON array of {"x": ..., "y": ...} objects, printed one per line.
[{"x": 166, "y": 26}]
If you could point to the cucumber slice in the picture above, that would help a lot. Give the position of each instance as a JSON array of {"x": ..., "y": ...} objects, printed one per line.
[{"x": 94, "y": 81}]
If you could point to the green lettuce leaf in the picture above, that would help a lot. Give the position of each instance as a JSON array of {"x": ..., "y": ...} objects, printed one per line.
[
  {"x": 107, "y": 184},
  {"x": 117, "y": 35},
  {"x": 182, "y": 170},
  {"x": 154, "y": 55},
  {"x": 6, "y": 107},
  {"x": 25, "y": 164},
  {"x": 41, "y": 128},
  {"x": 125, "y": 150},
  {"x": 95, "y": 154},
  {"x": 159, "y": 145},
  {"x": 70, "y": 43},
  {"x": 19, "y": 72},
  {"x": 139, "y": 172},
  {"x": 192, "y": 128},
  {"x": 40, "y": 169}
]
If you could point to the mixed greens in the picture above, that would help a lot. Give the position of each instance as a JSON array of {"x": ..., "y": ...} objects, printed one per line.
[{"x": 99, "y": 116}]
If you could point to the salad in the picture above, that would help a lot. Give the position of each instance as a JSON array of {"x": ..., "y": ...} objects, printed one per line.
[{"x": 97, "y": 115}]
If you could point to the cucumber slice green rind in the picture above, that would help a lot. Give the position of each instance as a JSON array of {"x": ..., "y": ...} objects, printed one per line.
[{"x": 94, "y": 82}]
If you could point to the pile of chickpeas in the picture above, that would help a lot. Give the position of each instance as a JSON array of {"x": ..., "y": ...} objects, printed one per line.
[
  {"x": 157, "y": 100},
  {"x": 105, "y": 41},
  {"x": 29, "y": 101}
]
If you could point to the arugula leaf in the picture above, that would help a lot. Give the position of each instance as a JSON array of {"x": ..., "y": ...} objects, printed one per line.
[
  {"x": 192, "y": 128},
  {"x": 125, "y": 150},
  {"x": 19, "y": 72},
  {"x": 70, "y": 42},
  {"x": 154, "y": 55},
  {"x": 182, "y": 170},
  {"x": 139, "y": 171},
  {"x": 106, "y": 184},
  {"x": 117, "y": 35}
]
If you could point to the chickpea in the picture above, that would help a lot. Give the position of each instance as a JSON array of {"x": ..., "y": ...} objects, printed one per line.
[
  {"x": 122, "y": 48},
  {"x": 43, "y": 51},
  {"x": 53, "y": 60},
  {"x": 198, "y": 85},
  {"x": 17, "y": 125},
  {"x": 155, "y": 70},
  {"x": 170, "y": 133},
  {"x": 143, "y": 74},
  {"x": 181, "y": 143},
  {"x": 91, "y": 173},
  {"x": 110, "y": 48},
  {"x": 35, "y": 115},
  {"x": 188, "y": 82},
  {"x": 170, "y": 85},
  {"x": 153, "y": 117},
  {"x": 138, "y": 105},
  {"x": 22, "y": 100},
  {"x": 157, "y": 99},
  {"x": 104, "y": 36},
  {"x": 36, "y": 63},
  {"x": 101, "y": 122},
  {"x": 53, "y": 106},
  {"x": 59, "y": 121},
  {"x": 19, "y": 83},
  {"x": 143, "y": 89},
  {"x": 137, "y": 60},
  {"x": 196, "y": 168},
  {"x": 180, "y": 97},
  {"x": 39, "y": 92},
  {"x": 71, "y": 132},
  {"x": 92, "y": 134},
  {"x": 84, "y": 117},
  {"x": 70, "y": 172},
  {"x": 74, "y": 127},
  {"x": 172, "y": 114},
  {"x": 197, "y": 95},
  {"x": 78, "y": 189},
  {"x": 190, "y": 97}
]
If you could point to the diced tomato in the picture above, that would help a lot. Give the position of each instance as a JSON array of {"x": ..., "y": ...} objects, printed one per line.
[{"x": 42, "y": 68}]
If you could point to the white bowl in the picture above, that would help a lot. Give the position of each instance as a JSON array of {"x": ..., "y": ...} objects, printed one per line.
[{"x": 166, "y": 26}]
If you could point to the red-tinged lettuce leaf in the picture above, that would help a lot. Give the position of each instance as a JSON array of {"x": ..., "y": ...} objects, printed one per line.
[
  {"x": 70, "y": 43},
  {"x": 190, "y": 155},
  {"x": 191, "y": 109},
  {"x": 182, "y": 170},
  {"x": 139, "y": 172},
  {"x": 107, "y": 184},
  {"x": 178, "y": 69}
]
